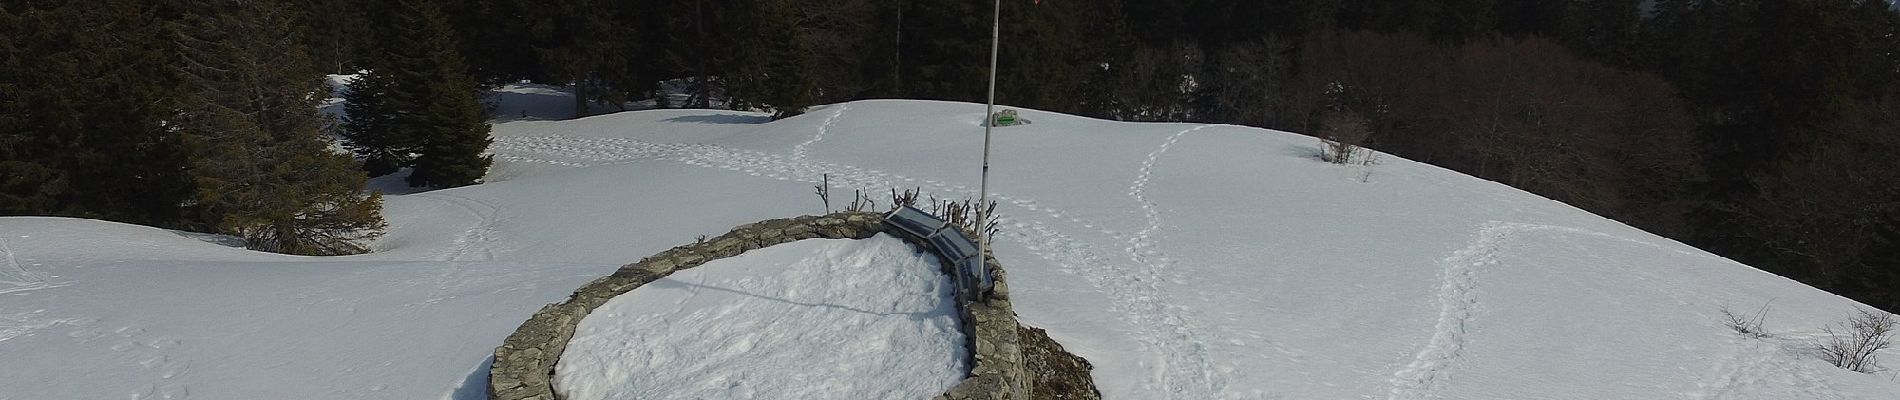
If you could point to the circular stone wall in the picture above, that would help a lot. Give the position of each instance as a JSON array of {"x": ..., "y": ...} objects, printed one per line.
[{"x": 524, "y": 363}]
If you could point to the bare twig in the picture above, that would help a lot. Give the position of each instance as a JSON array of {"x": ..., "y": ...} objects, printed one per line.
[
  {"x": 824, "y": 191},
  {"x": 1748, "y": 325}
]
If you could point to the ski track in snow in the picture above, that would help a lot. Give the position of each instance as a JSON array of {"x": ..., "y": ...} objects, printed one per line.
[
  {"x": 801, "y": 150},
  {"x": 475, "y": 244},
  {"x": 1164, "y": 328},
  {"x": 13, "y": 325},
  {"x": 1457, "y": 299},
  {"x": 15, "y": 278},
  {"x": 1187, "y": 370}
]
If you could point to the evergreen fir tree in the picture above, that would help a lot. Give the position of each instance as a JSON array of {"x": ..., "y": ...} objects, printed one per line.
[
  {"x": 263, "y": 170},
  {"x": 418, "y": 106},
  {"x": 336, "y": 32},
  {"x": 590, "y": 44},
  {"x": 371, "y": 123},
  {"x": 774, "y": 71},
  {"x": 454, "y": 124},
  {"x": 84, "y": 102}
]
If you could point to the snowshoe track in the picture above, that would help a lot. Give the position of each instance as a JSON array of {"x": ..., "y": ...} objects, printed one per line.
[
  {"x": 1187, "y": 369},
  {"x": 1458, "y": 299}
]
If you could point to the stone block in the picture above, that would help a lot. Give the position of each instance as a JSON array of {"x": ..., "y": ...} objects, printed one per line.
[
  {"x": 689, "y": 259},
  {"x": 659, "y": 266}
]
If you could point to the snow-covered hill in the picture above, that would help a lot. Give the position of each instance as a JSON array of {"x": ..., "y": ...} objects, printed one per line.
[{"x": 1184, "y": 261}]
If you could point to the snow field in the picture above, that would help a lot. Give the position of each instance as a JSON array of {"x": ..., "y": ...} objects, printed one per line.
[{"x": 1184, "y": 261}]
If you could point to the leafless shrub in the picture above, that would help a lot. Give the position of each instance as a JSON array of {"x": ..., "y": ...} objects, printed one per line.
[
  {"x": 963, "y": 214},
  {"x": 860, "y": 202},
  {"x": 1521, "y": 111},
  {"x": 823, "y": 189},
  {"x": 1341, "y": 134},
  {"x": 1371, "y": 159},
  {"x": 1746, "y": 324},
  {"x": 906, "y": 198},
  {"x": 1854, "y": 346}
]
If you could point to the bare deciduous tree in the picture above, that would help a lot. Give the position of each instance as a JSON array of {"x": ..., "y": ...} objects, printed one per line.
[{"x": 1341, "y": 135}]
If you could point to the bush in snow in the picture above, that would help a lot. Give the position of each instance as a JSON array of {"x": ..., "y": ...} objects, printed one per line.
[
  {"x": 1854, "y": 346},
  {"x": 1341, "y": 133},
  {"x": 1749, "y": 324}
]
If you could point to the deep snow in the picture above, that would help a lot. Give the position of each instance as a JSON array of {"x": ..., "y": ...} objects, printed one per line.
[
  {"x": 1184, "y": 261},
  {"x": 813, "y": 319}
]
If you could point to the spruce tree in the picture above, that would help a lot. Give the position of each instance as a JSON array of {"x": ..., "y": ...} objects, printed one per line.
[
  {"x": 371, "y": 123},
  {"x": 419, "y": 100},
  {"x": 774, "y": 71},
  {"x": 263, "y": 170},
  {"x": 84, "y": 102},
  {"x": 591, "y": 44},
  {"x": 336, "y": 32}
]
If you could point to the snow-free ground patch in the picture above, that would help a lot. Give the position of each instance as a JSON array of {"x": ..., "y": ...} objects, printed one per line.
[{"x": 813, "y": 319}]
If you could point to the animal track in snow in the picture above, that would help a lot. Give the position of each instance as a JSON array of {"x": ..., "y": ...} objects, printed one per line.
[{"x": 801, "y": 150}]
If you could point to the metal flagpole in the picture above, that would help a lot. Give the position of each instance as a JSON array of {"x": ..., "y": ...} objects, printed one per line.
[{"x": 989, "y": 120}]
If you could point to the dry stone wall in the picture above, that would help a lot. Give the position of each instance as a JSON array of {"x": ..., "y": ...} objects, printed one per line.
[{"x": 524, "y": 363}]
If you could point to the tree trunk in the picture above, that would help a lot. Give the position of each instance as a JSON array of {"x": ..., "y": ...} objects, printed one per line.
[{"x": 580, "y": 99}]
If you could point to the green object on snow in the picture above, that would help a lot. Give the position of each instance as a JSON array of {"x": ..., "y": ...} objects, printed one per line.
[{"x": 1005, "y": 118}]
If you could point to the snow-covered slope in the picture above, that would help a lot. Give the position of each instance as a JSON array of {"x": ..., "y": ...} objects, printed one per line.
[{"x": 1184, "y": 261}]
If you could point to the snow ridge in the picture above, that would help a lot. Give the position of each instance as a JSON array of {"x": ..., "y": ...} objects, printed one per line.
[{"x": 1457, "y": 301}]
